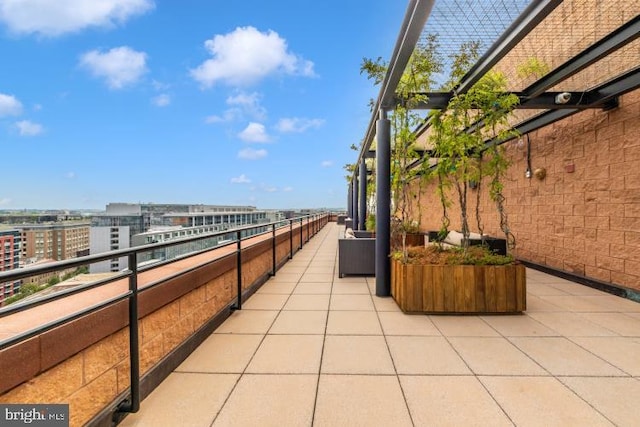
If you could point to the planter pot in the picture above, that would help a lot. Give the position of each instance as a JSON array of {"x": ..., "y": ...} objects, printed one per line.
[{"x": 459, "y": 288}]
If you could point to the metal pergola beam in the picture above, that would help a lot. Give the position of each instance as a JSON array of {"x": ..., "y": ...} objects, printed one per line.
[
  {"x": 535, "y": 13},
  {"x": 415, "y": 17},
  {"x": 544, "y": 101},
  {"x": 610, "y": 43}
]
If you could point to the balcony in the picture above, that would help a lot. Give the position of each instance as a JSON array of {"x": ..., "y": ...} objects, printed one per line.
[{"x": 309, "y": 348}]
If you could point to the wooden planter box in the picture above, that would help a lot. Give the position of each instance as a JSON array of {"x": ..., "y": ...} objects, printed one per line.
[{"x": 459, "y": 288}]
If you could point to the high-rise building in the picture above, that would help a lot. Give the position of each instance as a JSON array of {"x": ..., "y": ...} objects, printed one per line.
[
  {"x": 9, "y": 259},
  {"x": 55, "y": 241}
]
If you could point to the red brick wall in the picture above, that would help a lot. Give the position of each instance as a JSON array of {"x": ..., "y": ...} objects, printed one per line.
[{"x": 587, "y": 221}]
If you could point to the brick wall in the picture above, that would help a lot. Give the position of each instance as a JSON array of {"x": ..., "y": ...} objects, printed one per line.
[{"x": 585, "y": 221}]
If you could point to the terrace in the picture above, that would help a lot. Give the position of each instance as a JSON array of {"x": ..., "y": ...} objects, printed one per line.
[
  {"x": 264, "y": 332},
  {"x": 310, "y": 348}
]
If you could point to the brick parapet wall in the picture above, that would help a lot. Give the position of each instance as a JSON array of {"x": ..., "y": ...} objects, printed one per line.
[
  {"x": 91, "y": 379},
  {"x": 584, "y": 217}
]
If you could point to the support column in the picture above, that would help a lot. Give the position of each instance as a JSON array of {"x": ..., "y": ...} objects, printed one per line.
[
  {"x": 355, "y": 200},
  {"x": 350, "y": 200},
  {"x": 363, "y": 195},
  {"x": 383, "y": 205}
]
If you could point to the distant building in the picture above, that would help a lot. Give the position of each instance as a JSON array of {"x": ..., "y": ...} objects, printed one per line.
[
  {"x": 118, "y": 227},
  {"x": 56, "y": 241},
  {"x": 9, "y": 260}
]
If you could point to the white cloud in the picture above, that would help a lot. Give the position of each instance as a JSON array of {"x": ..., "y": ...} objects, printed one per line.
[
  {"x": 5, "y": 201},
  {"x": 251, "y": 154},
  {"x": 37, "y": 107},
  {"x": 159, "y": 86},
  {"x": 120, "y": 66},
  {"x": 9, "y": 105},
  {"x": 28, "y": 128},
  {"x": 249, "y": 103},
  {"x": 243, "y": 104},
  {"x": 287, "y": 189},
  {"x": 242, "y": 179},
  {"x": 268, "y": 188},
  {"x": 227, "y": 116},
  {"x": 70, "y": 175},
  {"x": 245, "y": 56},
  {"x": 295, "y": 124},
  {"x": 254, "y": 132},
  {"x": 161, "y": 100},
  {"x": 53, "y": 18},
  {"x": 326, "y": 163}
]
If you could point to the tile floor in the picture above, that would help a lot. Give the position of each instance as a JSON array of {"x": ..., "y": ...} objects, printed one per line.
[{"x": 312, "y": 349}]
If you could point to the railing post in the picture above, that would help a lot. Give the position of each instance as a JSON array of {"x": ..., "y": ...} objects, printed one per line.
[
  {"x": 134, "y": 348},
  {"x": 290, "y": 238},
  {"x": 301, "y": 219},
  {"x": 239, "y": 269},
  {"x": 273, "y": 249}
]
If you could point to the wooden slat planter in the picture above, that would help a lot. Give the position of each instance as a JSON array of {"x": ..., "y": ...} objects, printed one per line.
[{"x": 459, "y": 288}]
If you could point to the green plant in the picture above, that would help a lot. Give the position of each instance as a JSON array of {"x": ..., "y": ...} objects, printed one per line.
[
  {"x": 416, "y": 80},
  {"x": 474, "y": 255},
  {"x": 370, "y": 223},
  {"x": 459, "y": 138}
]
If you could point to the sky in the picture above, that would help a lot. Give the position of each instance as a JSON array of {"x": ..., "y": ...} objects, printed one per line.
[{"x": 200, "y": 101}]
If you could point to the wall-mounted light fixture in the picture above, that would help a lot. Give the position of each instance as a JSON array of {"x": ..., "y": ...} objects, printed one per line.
[{"x": 563, "y": 98}]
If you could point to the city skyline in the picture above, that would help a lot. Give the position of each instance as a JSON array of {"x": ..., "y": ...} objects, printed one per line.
[{"x": 213, "y": 103}]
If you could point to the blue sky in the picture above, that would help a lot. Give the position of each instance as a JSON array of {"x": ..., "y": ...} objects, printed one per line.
[{"x": 197, "y": 101}]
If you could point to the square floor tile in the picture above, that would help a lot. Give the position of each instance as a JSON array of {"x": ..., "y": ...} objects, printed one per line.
[
  {"x": 300, "y": 322},
  {"x": 385, "y": 304},
  {"x": 184, "y": 399},
  {"x": 463, "y": 326},
  {"x": 540, "y": 401},
  {"x": 615, "y": 398},
  {"x": 277, "y": 288},
  {"x": 265, "y": 302},
  {"x": 356, "y": 355},
  {"x": 579, "y": 303},
  {"x": 351, "y": 288},
  {"x": 355, "y": 400},
  {"x": 247, "y": 322},
  {"x": 621, "y": 352},
  {"x": 536, "y": 304},
  {"x": 222, "y": 353},
  {"x": 619, "y": 323},
  {"x": 351, "y": 302},
  {"x": 519, "y": 326},
  {"x": 353, "y": 323},
  {"x": 451, "y": 401},
  {"x": 270, "y": 400},
  {"x": 572, "y": 324},
  {"x": 311, "y": 288},
  {"x": 287, "y": 354},
  {"x": 398, "y": 323},
  {"x": 307, "y": 302},
  {"x": 425, "y": 356},
  {"x": 494, "y": 356},
  {"x": 317, "y": 277},
  {"x": 286, "y": 277},
  {"x": 560, "y": 356}
]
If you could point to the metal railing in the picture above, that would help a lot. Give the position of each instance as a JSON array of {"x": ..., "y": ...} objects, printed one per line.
[{"x": 131, "y": 273}]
